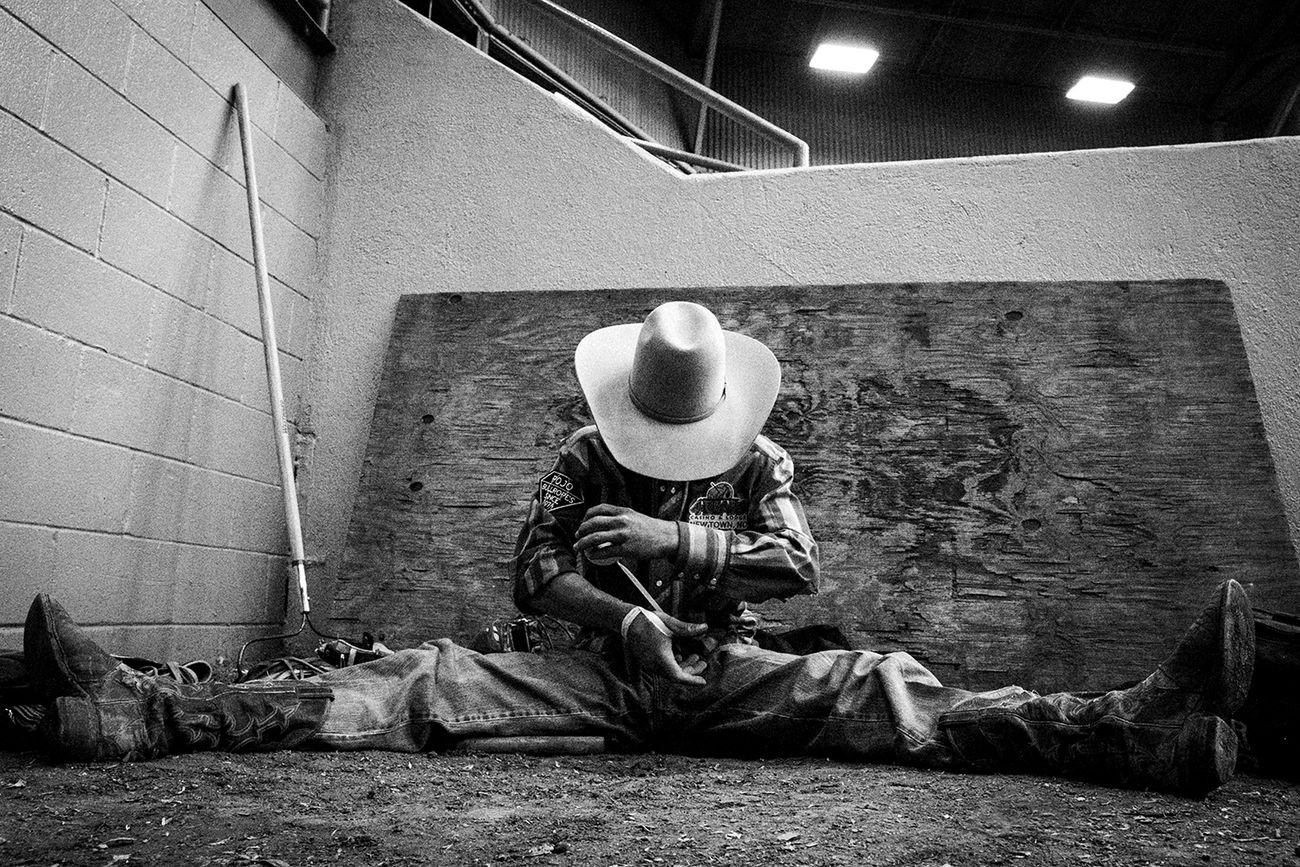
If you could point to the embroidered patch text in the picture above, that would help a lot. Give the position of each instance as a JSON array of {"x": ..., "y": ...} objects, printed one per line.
[{"x": 556, "y": 491}]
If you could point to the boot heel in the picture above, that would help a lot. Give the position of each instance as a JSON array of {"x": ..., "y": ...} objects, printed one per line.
[
  {"x": 98, "y": 730},
  {"x": 1206, "y": 754},
  {"x": 72, "y": 728}
]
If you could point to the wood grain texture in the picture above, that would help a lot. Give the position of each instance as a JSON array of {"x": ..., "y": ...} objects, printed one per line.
[{"x": 1035, "y": 483}]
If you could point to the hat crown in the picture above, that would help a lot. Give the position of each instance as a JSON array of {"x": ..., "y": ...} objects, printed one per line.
[{"x": 679, "y": 371}]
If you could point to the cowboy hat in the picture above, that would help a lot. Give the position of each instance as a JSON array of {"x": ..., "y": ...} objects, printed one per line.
[{"x": 677, "y": 398}]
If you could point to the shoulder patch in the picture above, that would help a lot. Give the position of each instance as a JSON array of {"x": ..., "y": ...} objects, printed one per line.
[{"x": 556, "y": 491}]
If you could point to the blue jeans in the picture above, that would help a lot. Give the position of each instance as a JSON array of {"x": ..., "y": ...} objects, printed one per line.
[{"x": 845, "y": 703}]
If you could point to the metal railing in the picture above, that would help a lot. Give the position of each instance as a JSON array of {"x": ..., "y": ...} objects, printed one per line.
[{"x": 517, "y": 53}]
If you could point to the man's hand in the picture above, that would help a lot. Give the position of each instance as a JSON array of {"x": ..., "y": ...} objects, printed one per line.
[
  {"x": 625, "y": 534},
  {"x": 654, "y": 650}
]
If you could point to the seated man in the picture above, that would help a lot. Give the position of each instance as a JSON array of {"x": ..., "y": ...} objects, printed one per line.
[{"x": 652, "y": 531}]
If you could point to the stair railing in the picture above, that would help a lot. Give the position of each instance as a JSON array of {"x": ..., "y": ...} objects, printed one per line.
[{"x": 490, "y": 33}]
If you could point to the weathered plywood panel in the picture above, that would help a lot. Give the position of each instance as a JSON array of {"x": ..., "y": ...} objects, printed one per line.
[{"x": 1033, "y": 483}]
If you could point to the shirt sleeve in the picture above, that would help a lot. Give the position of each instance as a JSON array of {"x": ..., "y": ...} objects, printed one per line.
[
  {"x": 774, "y": 558},
  {"x": 545, "y": 545}
]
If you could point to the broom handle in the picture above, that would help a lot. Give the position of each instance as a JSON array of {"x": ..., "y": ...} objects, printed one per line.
[{"x": 287, "y": 485}]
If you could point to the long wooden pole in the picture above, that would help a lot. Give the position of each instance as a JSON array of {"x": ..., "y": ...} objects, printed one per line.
[{"x": 288, "y": 486}]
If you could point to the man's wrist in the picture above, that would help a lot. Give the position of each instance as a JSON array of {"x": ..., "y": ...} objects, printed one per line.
[
  {"x": 670, "y": 541},
  {"x": 652, "y": 617},
  {"x": 702, "y": 553}
]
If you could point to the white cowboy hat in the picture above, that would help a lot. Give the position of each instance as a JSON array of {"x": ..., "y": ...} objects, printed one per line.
[{"x": 677, "y": 398}]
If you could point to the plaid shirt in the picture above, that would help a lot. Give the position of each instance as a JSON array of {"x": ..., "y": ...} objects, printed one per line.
[{"x": 741, "y": 536}]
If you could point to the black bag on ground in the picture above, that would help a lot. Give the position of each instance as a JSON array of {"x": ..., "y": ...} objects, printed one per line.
[
  {"x": 803, "y": 640},
  {"x": 1272, "y": 709}
]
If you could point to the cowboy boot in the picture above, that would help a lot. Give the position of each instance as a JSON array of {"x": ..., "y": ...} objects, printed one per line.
[
  {"x": 102, "y": 711},
  {"x": 1169, "y": 732},
  {"x": 60, "y": 658},
  {"x": 1191, "y": 757},
  {"x": 1207, "y": 673},
  {"x": 1209, "y": 670}
]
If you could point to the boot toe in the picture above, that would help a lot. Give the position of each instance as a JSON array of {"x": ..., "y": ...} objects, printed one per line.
[
  {"x": 59, "y": 657},
  {"x": 1213, "y": 662},
  {"x": 1237, "y": 651}
]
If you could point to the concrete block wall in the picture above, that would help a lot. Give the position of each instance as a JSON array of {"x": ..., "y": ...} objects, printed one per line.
[{"x": 138, "y": 476}]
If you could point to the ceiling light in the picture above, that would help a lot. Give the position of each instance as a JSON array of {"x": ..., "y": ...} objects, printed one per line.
[
  {"x": 1092, "y": 88},
  {"x": 856, "y": 59}
]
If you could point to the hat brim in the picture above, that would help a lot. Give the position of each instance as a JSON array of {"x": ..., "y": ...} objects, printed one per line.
[{"x": 676, "y": 452}]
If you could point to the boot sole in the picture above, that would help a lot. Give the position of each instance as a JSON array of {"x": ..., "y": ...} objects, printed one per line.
[{"x": 1237, "y": 652}]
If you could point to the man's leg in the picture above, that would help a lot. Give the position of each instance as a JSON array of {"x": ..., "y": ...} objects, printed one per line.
[
  {"x": 100, "y": 710},
  {"x": 852, "y": 704},
  {"x": 1169, "y": 732},
  {"x": 435, "y": 695}
]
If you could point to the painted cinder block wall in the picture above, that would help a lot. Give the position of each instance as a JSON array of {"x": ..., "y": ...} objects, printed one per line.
[
  {"x": 488, "y": 184},
  {"x": 138, "y": 477}
]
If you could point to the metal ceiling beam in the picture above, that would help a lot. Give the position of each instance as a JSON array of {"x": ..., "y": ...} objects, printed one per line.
[
  {"x": 1272, "y": 54},
  {"x": 710, "y": 55},
  {"x": 934, "y": 40},
  {"x": 1174, "y": 21},
  {"x": 1015, "y": 27},
  {"x": 1061, "y": 23},
  {"x": 697, "y": 42},
  {"x": 1284, "y": 110},
  {"x": 1253, "y": 78}
]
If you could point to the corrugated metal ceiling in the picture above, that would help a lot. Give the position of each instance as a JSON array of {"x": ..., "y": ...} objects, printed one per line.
[{"x": 1234, "y": 60}]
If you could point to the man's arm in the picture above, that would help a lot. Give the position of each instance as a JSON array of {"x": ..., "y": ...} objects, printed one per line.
[
  {"x": 571, "y": 597},
  {"x": 775, "y": 557},
  {"x": 546, "y": 577},
  {"x": 544, "y": 549}
]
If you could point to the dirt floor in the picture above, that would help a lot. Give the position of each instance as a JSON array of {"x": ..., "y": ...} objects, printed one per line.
[{"x": 378, "y": 809}]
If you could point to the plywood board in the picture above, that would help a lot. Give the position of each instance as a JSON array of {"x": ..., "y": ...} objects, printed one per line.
[{"x": 1035, "y": 483}]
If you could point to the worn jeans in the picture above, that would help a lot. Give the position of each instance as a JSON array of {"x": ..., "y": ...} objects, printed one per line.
[{"x": 845, "y": 703}]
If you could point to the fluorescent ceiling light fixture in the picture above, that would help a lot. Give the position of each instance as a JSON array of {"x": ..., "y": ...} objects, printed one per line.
[
  {"x": 1092, "y": 88},
  {"x": 838, "y": 57}
]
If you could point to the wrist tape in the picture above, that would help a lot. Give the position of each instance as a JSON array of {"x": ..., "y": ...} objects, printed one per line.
[{"x": 649, "y": 615}]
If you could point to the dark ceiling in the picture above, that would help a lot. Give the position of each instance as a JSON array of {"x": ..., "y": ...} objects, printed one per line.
[{"x": 1236, "y": 62}]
